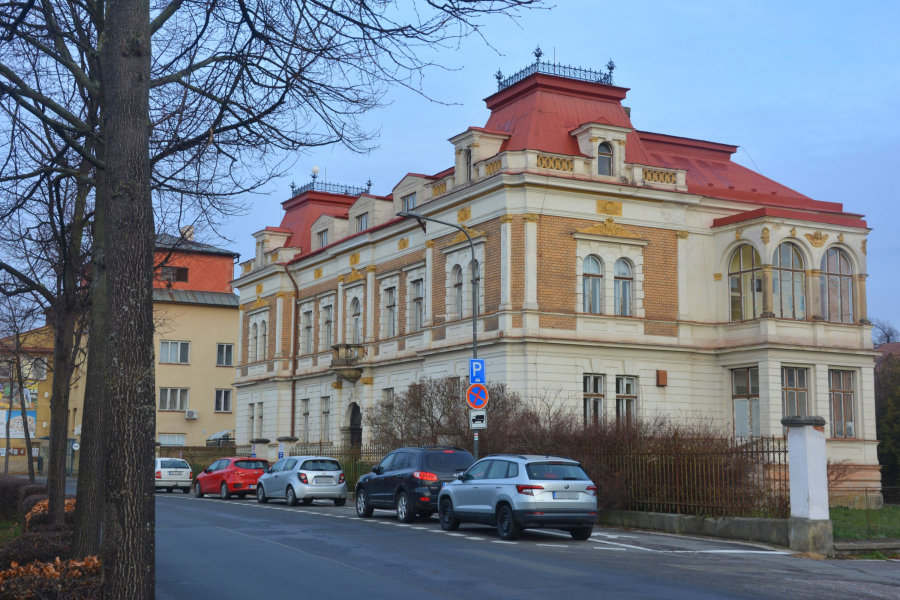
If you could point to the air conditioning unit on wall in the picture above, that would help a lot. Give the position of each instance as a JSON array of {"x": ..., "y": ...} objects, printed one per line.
[{"x": 191, "y": 414}]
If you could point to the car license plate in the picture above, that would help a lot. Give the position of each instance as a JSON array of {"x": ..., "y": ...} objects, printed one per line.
[
  {"x": 443, "y": 483},
  {"x": 565, "y": 495},
  {"x": 251, "y": 487},
  {"x": 174, "y": 472},
  {"x": 323, "y": 480}
]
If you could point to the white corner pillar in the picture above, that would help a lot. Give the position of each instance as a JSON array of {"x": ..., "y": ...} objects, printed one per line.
[
  {"x": 683, "y": 300},
  {"x": 339, "y": 317},
  {"x": 505, "y": 257},
  {"x": 279, "y": 322},
  {"x": 811, "y": 529},
  {"x": 239, "y": 359},
  {"x": 429, "y": 291},
  {"x": 531, "y": 320},
  {"x": 370, "y": 304}
]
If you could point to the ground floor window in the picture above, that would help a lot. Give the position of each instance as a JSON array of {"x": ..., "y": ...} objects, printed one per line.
[
  {"x": 626, "y": 399},
  {"x": 304, "y": 407},
  {"x": 171, "y": 439},
  {"x": 592, "y": 398},
  {"x": 745, "y": 396},
  {"x": 794, "y": 392},
  {"x": 840, "y": 397},
  {"x": 326, "y": 419}
]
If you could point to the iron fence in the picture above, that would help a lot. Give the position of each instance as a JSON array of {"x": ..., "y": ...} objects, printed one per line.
[
  {"x": 550, "y": 68},
  {"x": 334, "y": 188},
  {"x": 859, "y": 513},
  {"x": 356, "y": 460}
]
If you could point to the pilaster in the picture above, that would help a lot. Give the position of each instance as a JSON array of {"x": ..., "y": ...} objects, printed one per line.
[
  {"x": 339, "y": 317},
  {"x": 279, "y": 322},
  {"x": 370, "y": 304},
  {"x": 682, "y": 248},
  {"x": 532, "y": 321},
  {"x": 814, "y": 294},
  {"x": 238, "y": 359},
  {"x": 770, "y": 397},
  {"x": 859, "y": 298},
  {"x": 767, "y": 311},
  {"x": 429, "y": 291}
]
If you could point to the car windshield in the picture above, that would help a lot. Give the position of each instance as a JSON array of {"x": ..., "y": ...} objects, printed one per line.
[
  {"x": 448, "y": 461},
  {"x": 173, "y": 464},
  {"x": 251, "y": 464},
  {"x": 321, "y": 465},
  {"x": 556, "y": 471}
]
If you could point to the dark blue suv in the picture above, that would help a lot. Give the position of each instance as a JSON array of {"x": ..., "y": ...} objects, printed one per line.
[{"x": 409, "y": 480}]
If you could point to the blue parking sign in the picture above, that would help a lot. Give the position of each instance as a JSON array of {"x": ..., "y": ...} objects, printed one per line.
[{"x": 476, "y": 370}]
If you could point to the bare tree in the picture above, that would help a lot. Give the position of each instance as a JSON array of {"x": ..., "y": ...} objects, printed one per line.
[{"x": 884, "y": 332}]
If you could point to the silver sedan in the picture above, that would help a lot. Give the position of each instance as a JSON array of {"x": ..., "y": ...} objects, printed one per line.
[{"x": 303, "y": 478}]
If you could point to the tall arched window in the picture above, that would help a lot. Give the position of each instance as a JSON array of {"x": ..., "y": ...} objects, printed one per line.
[
  {"x": 788, "y": 283},
  {"x": 357, "y": 321},
  {"x": 254, "y": 341},
  {"x": 624, "y": 284},
  {"x": 458, "y": 291},
  {"x": 745, "y": 283},
  {"x": 264, "y": 341},
  {"x": 836, "y": 283},
  {"x": 604, "y": 159},
  {"x": 476, "y": 289},
  {"x": 592, "y": 286}
]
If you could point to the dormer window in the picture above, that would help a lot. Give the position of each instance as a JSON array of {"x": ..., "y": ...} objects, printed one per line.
[
  {"x": 468, "y": 156},
  {"x": 362, "y": 222},
  {"x": 604, "y": 159},
  {"x": 409, "y": 202},
  {"x": 322, "y": 238}
]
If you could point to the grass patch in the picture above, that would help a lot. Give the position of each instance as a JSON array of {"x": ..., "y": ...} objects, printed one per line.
[
  {"x": 9, "y": 530},
  {"x": 855, "y": 524}
]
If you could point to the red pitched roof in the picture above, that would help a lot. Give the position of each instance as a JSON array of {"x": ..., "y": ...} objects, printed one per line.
[{"x": 770, "y": 211}]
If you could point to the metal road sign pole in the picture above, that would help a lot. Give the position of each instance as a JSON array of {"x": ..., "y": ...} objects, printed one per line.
[{"x": 419, "y": 217}]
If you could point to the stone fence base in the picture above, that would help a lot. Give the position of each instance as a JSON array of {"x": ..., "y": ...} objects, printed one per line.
[{"x": 766, "y": 531}]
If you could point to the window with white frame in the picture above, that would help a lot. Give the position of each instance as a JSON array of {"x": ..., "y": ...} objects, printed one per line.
[
  {"x": 223, "y": 401},
  {"x": 418, "y": 304},
  {"x": 254, "y": 341},
  {"x": 362, "y": 222},
  {"x": 356, "y": 321},
  {"x": 794, "y": 392},
  {"x": 390, "y": 309},
  {"x": 308, "y": 332},
  {"x": 604, "y": 159},
  {"x": 175, "y": 352},
  {"x": 409, "y": 202},
  {"x": 592, "y": 285},
  {"x": 745, "y": 397},
  {"x": 626, "y": 399},
  {"x": 304, "y": 411},
  {"x": 458, "y": 295},
  {"x": 173, "y": 399},
  {"x": 263, "y": 351},
  {"x": 836, "y": 283},
  {"x": 476, "y": 287},
  {"x": 624, "y": 283},
  {"x": 171, "y": 439},
  {"x": 322, "y": 239},
  {"x": 840, "y": 399},
  {"x": 788, "y": 282},
  {"x": 326, "y": 419},
  {"x": 259, "y": 420},
  {"x": 592, "y": 398},
  {"x": 327, "y": 327},
  {"x": 224, "y": 355}
]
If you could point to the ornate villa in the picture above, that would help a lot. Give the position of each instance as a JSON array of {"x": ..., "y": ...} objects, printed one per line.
[{"x": 635, "y": 272}]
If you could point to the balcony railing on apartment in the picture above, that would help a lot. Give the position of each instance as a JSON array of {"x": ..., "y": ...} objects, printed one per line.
[
  {"x": 344, "y": 358},
  {"x": 551, "y": 68},
  {"x": 333, "y": 188}
]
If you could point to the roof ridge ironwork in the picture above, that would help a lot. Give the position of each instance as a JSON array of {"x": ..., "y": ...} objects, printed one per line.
[{"x": 552, "y": 68}]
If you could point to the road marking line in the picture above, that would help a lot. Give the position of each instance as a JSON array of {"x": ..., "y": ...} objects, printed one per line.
[
  {"x": 437, "y": 531},
  {"x": 457, "y": 534},
  {"x": 613, "y": 537},
  {"x": 422, "y": 528},
  {"x": 474, "y": 538},
  {"x": 502, "y": 542},
  {"x": 553, "y": 545},
  {"x": 773, "y": 552},
  {"x": 617, "y": 549},
  {"x": 403, "y": 525}
]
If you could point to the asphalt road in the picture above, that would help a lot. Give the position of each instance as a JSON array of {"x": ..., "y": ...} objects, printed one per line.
[{"x": 212, "y": 548}]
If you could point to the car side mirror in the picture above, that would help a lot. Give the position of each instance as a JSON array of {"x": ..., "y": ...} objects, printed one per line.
[
  {"x": 207, "y": 470},
  {"x": 271, "y": 470},
  {"x": 375, "y": 469},
  {"x": 458, "y": 475}
]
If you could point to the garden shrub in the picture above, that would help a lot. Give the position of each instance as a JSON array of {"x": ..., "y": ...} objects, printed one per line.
[
  {"x": 28, "y": 503},
  {"x": 43, "y": 506},
  {"x": 32, "y": 489},
  {"x": 44, "y": 546},
  {"x": 52, "y": 580},
  {"x": 43, "y": 518},
  {"x": 9, "y": 496}
]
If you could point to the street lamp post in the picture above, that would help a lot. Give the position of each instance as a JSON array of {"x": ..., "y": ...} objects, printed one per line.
[{"x": 420, "y": 219}]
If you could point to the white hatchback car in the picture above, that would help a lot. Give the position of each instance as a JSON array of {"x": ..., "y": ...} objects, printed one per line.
[{"x": 173, "y": 474}]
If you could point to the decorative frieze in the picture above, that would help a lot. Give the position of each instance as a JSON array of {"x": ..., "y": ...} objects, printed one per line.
[
  {"x": 464, "y": 214},
  {"x": 403, "y": 243},
  {"x": 817, "y": 239},
  {"x": 439, "y": 189},
  {"x": 682, "y": 234},
  {"x": 317, "y": 274},
  {"x": 609, "y": 207},
  {"x": 555, "y": 163},
  {"x": 608, "y": 227},
  {"x": 764, "y": 235},
  {"x": 354, "y": 259},
  {"x": 492, "y": 167}
]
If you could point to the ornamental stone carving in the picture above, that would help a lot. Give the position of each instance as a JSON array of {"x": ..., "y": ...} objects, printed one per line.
[
  {"x": 354, "y": 259},
  {"x": 403, "y": 243},
  {"x": 609, "y": 207},
  {"x": 863, "y": 246},
  {"x": 354, "y": 276},
  {"x": 461, "y": 237},
  {"x": 737, "y": 233},
  {"x": 610, "y": 228},
  {"x": 793, "y": 232},
  {"x": 371, "y": 269},
  {"x": 317, "y": 274},
  {"x": 464, "y": 214},
  {"x": 429, "y": 244},
  {"x": 817, "y": 239},
  {"x": 841, "y": 238},
  {"x": 717, "y": 277},
  {"x": 682, "y": 234},
  {"x": 531, "y": 217},
  {"x": 367, "y": 380},
  {"x": 506, "y": 218},
  {"x": 259, "y": 288},
  {"x": 764, "y": 235}
]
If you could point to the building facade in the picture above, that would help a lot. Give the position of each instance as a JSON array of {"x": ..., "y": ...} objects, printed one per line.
[{"x": 633, "y": 272}]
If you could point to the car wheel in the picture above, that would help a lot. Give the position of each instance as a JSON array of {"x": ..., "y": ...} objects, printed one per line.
[
  {"x": 307, "y": 501},
  {"x": 405, "y": 512},
  {"x": 186, "y": 490},
  {"x": 340, "y": 501},
  {"x": 449, "y": 522},
  {"x": 290, "y": 497},
  {"x": 223, "y": 491},
  {"x": 363, "y": 510},
  {"x": 506, "y": 524},
  {"x": 582, "y": 533},
  {"x": 197, "y": 491},
  {"x": 261, "y": 495}
]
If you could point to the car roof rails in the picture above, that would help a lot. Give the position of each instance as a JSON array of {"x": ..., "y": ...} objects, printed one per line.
[
  {"x": 560, "y": 456},
  {"x": 512, "y": 455},
  {"x": 442, "y": 447}
]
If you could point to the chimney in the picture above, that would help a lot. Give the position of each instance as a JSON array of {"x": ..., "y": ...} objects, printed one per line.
[
  {"x": 187, "y": 232},
  {"x": 627, "y": 111}
]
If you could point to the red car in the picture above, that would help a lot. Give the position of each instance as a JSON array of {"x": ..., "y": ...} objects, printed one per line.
[{"x": 232, "y": 476}]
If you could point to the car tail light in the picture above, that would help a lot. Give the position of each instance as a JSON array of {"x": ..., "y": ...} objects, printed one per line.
[
  {"x": 239, "y": 473},
  {"x": 303, "y": 478},
  {"x": 191, "y": 475},
  {"x": 425, "y": 499},
  {"x": 425, "y": 476},
  {"x": 449, "y": 451},
  {"x": 528, "y": 490},
  {"x": 592, "y": 489},
  {"x": 159, "y": 474},
  {"x": 342, "y": 479}
]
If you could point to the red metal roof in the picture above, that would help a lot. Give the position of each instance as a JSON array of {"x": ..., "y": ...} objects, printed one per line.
[{"x": 770, "y": 211}]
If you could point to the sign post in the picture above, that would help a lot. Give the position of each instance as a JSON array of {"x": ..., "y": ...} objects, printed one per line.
[
  {"x": 252, "y": 450},
  {"x": 280, "y": 450},
  {"x": 477, "y": 397}
]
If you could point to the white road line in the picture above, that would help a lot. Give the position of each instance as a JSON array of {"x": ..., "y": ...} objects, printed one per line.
[
  {"x": 613, "y": 537},
  {"x": 475, "y": 538},
  {"x": 552, "y": 545},
  {"x": 457, "y": 534},
  {"x": 605, "y": 548},
  {"x": 437, "y": 531},
  {"x": 422, "y": 528},
  {"x": 692, "y": 551},
  {"x": 502, "y": 542},
  {"x": 403, "y": 525}
]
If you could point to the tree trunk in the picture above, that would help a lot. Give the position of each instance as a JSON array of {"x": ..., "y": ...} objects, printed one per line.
[
  {"x": 8, "y": 417},
  {"x": 64, "y": 331},
  {"x": 24, "y": 422},
  {"x": 128, "y": 548}
]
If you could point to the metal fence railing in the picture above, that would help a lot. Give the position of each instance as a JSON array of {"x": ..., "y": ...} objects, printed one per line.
[
  {"x": 859, "y": 513},
  {"x": 356, "y": 460}
]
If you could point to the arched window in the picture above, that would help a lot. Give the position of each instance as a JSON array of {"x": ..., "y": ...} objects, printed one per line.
[
  {"x": 624, "y": 284},
  {"x": 788, "y": 283},
  {"x": 458, "y": 291},
  {"x": 357, "y": 321},
  {"x": 836, "y": 284},
  {"x": 254, "y": 340},
  {"x": 604, "y": 159},
  {"x": 476, "y": 289},
  {"x": 745, "y": 283},
  {"x": 592, "y": 285},
  {"x": 264, "y": 341}
]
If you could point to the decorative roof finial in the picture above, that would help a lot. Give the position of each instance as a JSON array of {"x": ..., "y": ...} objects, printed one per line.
[
  {"x": 369, "y": 185},
  {"x": 610, "y": 66},
  {"x": 538, "y": 53},
  {"x": 499, "y": 77}
]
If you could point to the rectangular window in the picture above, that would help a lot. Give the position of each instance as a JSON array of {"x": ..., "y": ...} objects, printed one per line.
[
  {"x": 251, "y": 420},
  {"x": 36, "y": 370},
  {"x": 794, "y": 392},
  {"x": 418, "y": 304},
  {"x": 223, "y": 401},
  {"x": 592, "y": 398},
  {"x": 171, "y": 439},
  {"x": 304, "y": 407},
  {"x": 175, "y": 352},
  {"x": 307, "y": 332},
  {"x": 259, "y": 420},
  {"x": 224, "y": 355},
  {"x": 362, "y": 222},
  {"x": 322, "y": 238},
  {"x": 174, "y": 274},
  {"x": 173, "y": 399},
  {"x": 391, "y": 309},
  {"x": 327, "y": 339},
  {"x": 840, "y": 397},
  {"x": 326, "y": 419},
  {"x": 626, "y": 399},
  {"x": 745, "y": 396},
  {"x": 409, "y": 202}
]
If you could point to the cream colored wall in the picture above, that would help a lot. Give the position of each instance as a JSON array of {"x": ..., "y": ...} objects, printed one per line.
[{"x": 204, "y": 327}]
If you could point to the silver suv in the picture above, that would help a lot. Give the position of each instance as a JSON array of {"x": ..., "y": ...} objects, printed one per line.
[
  {"x": 514, "y": 492},
  {"x": 304, "y": 478}
]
